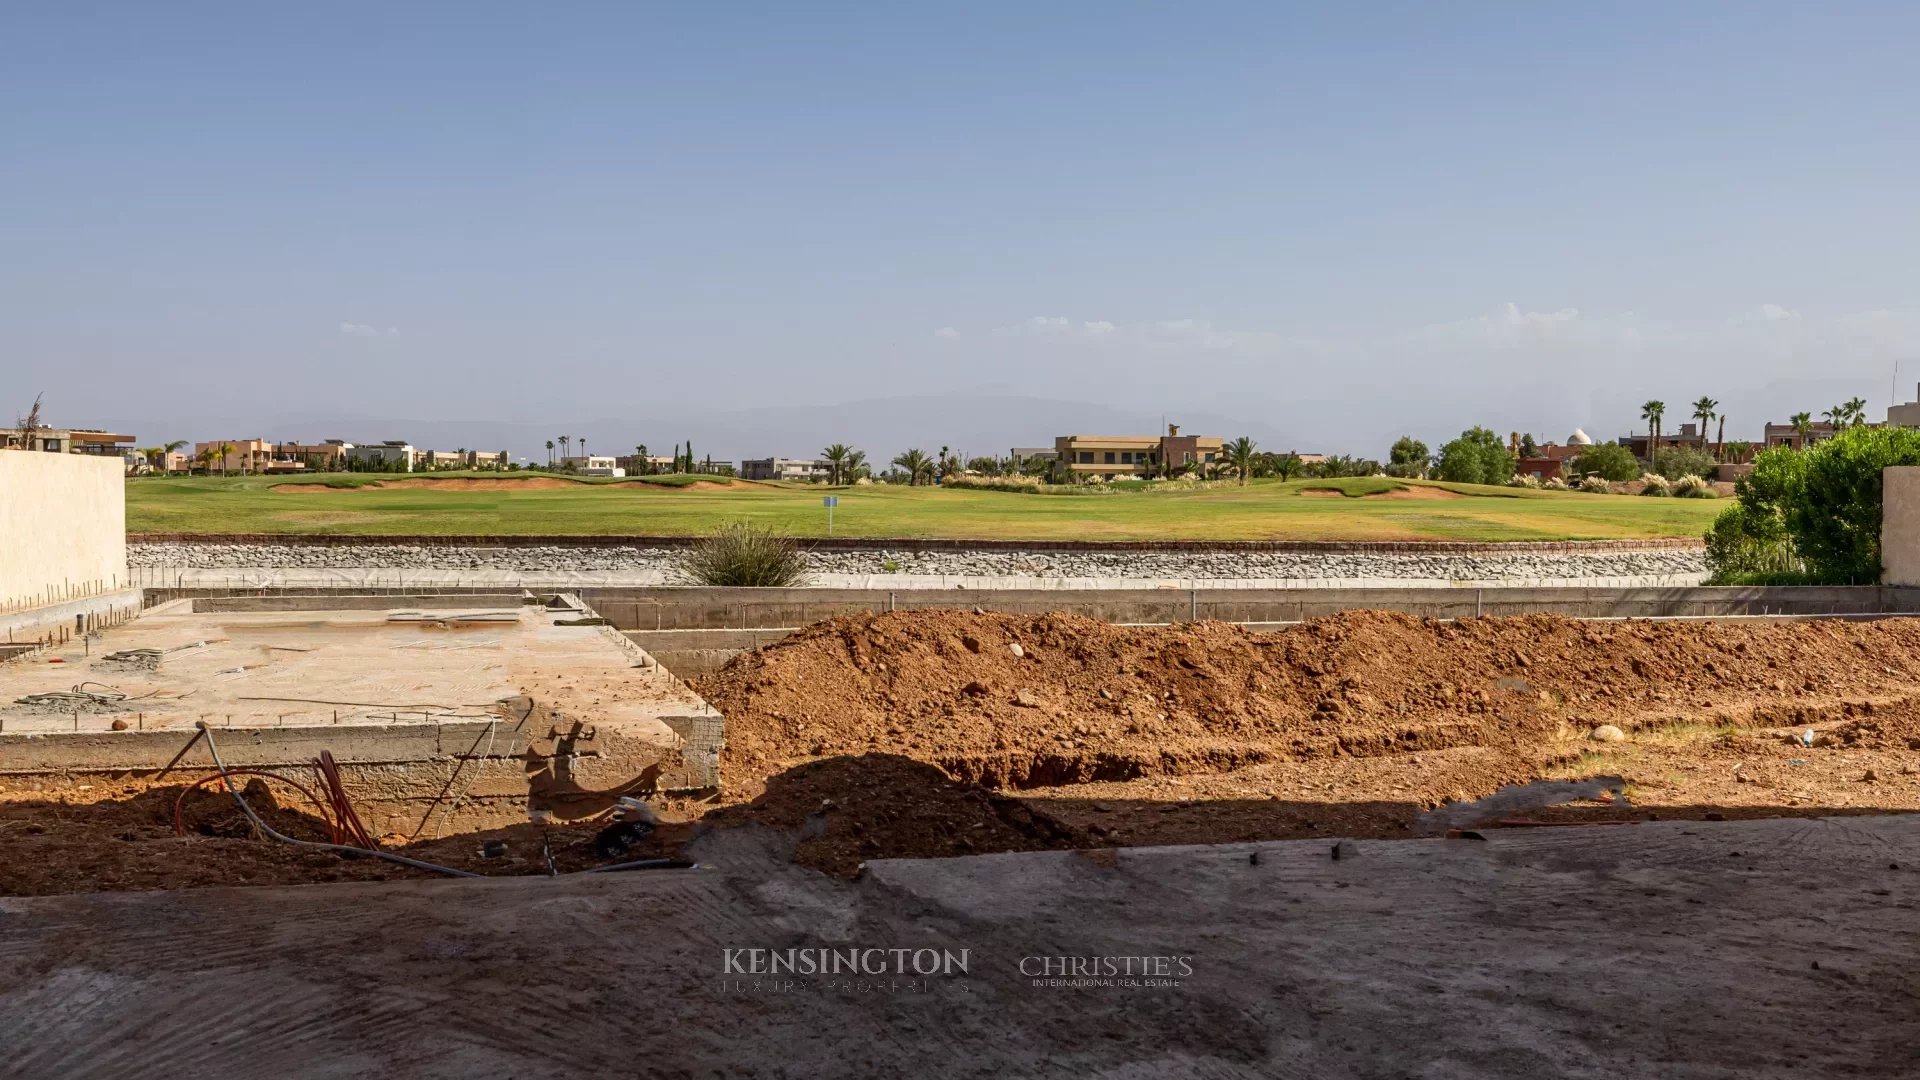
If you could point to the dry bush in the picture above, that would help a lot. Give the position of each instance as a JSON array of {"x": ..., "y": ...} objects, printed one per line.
[{"x": 744, "y": 554}]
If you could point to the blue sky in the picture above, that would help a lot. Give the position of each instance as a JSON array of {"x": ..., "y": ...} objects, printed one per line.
[{"x": 1331, "y": 223}]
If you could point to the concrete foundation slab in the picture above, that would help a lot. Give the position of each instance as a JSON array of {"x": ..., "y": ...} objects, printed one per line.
[
  {"x": 443, "y": 703},
  {"x": 1750, "y": 949}
]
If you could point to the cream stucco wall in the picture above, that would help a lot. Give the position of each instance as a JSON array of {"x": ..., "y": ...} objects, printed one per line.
[
  {"x": 63, "y": 526},
  {"x": 1900, "y": 526}
]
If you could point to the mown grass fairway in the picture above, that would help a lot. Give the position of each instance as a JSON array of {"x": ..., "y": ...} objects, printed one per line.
[{"x": 1364, "y": 509}]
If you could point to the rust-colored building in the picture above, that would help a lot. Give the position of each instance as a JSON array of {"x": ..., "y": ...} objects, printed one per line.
[
  {"x": 1116, "y": 456},
  {"x": 1549, "y": 460}
]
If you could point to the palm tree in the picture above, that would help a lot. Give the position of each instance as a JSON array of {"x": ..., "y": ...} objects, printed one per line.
[
  {"x": 205, "y": 458},
  {"x": 856, "y": 465},
  {"x": 226, "y": 451},
  {"x": 1720, "y": 440},
  {"x": 1704, "y": 411},
  {"x": 1652, "y": 412},
  {"x": 949, "y": 463},
  {"x": 157, "y": 456},
  {"x": 916, "y": 464},
  {"x": 1803, "y": 427},
  {"x": 1240, "y": 454},
  {"x": 565, "y": 441},
  {"x": 1857, "y": 411},
  {"x": 836, "y": 458},
  {"x": 549, "y": 453},
  {"x": 1836, "y": 417}
]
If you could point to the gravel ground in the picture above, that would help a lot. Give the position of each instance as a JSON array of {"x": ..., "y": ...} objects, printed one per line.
[{"x": 1483, "y": 566}]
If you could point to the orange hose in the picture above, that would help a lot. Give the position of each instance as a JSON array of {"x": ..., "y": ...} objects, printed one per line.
[{"x": 350, "y": 825}]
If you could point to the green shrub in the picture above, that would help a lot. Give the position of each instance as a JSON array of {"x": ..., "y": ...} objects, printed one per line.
[
  {"x": 1674, "y": 462},
  {"x": 1609, "y": 461},
  {"x": 1476, "y": 457},
  {"x": 1407, "y": 458},
  {"x": 1817, "y": 510},
  {"x": 1834, "y": 514},
  {"x": 744, "y": 554},
  {"x": 1341, "y": 465},
  {"x": 1749, "y": 545}
]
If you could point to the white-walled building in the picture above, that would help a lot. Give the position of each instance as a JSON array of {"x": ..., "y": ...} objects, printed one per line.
[
  {"x": 393, "y": 454},
  {"x": 811, "y": 470},
  {"x": 592, "y": 465}
]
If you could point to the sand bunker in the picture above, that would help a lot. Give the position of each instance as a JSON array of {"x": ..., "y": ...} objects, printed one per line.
[
  {"x": 1396, "y": 493},
  {"x": 451, "y": 483}
]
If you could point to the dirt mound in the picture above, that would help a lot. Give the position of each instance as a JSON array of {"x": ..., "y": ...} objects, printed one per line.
[
  {"x": 847, "y": 810},
  {"x": 1894, "y": 726},
  {"x": 1022, "y": 701}
]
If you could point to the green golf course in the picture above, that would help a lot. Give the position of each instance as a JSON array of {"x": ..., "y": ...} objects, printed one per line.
[{"x": 527, "y": 504}]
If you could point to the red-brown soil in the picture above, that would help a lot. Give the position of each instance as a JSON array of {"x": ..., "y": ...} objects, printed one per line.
[
  {"x": 846, "y": 810},
  {"x": 924, "y": 734},
  {"x": 121, "y": 837},
  {"x": 1088, "y": 700}
]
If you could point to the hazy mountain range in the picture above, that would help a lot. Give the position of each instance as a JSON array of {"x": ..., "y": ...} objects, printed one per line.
[{"x": 991, "y": 421}]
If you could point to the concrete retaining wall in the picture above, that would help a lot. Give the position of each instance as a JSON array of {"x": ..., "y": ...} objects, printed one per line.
[
  {"x": 64, "y": 520},
  {"x": 711, "y": 609},
  {"x": 337, "y": 602},
  {"x": 404, "y": 779},
  {"x": 703, "y": 608},
  {"x": 57, "y": 623}
]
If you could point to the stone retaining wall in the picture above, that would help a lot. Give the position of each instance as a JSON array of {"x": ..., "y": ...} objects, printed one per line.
[{"x": 1622, "y": 560}]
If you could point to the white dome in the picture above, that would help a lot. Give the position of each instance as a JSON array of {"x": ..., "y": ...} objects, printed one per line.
[{"x": 1579, "y": 438}]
